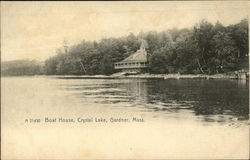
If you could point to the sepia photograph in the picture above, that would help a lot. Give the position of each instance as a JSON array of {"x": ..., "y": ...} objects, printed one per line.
[{"x": 124, "y": 80}]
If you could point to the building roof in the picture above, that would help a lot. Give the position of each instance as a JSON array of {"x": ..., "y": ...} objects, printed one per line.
[{"x": 139, "y": 56}]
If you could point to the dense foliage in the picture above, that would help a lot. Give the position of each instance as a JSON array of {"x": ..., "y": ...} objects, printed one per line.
[
  {"x": 21, "y": 67},
  {"x": 205, "y": 48}
]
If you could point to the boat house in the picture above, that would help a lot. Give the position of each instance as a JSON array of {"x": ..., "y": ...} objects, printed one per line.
[{"x": 135, "y": 63}]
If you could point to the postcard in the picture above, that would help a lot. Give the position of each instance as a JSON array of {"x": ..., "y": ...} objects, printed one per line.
[{"x": 124, "y": 80}]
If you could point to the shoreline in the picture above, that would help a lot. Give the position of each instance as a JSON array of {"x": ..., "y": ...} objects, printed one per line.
[
  {"x": 152, "y": 76},
  {"x": 186, "y": 76},
  {"x": 145, "y": 76}
]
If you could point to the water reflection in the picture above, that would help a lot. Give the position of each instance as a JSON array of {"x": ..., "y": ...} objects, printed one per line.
[{"x": 210, "y": 100}]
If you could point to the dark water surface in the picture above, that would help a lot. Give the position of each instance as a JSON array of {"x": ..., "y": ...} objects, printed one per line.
[
  {"x": 196, "y": 118},
  {"x": 210, "y": 100}
]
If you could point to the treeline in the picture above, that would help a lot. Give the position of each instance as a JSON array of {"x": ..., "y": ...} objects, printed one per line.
[
  {"x": 205, "y": 48},
  {"x": 21, "y": 67}
]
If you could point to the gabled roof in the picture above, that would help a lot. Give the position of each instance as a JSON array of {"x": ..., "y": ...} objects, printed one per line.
[{"x": 139, "y": 55}]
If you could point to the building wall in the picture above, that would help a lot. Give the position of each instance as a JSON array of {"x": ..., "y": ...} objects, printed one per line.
[{"x": 129, "y": 65}]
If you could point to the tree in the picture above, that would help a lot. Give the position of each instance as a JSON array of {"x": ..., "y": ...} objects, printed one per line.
[
  {"x": 239, "y": 33},
  {"x": 202, "y": 35},
  {"x": 226, "y": 53}
]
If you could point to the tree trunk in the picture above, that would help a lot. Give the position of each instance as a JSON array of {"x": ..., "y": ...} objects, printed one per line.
[
  {"x": 83, "y": 68},
  {"x": 199, "y": 66},
  {"x": 202, "y": 55}
]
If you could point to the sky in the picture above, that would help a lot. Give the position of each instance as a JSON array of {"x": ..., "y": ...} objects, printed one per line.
[{"x": 34, "y": 30}]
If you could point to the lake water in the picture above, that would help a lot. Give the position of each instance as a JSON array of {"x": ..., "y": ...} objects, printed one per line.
[{"x": 186, "y": 118}]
